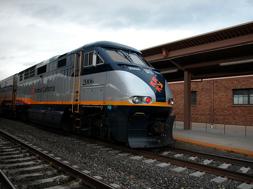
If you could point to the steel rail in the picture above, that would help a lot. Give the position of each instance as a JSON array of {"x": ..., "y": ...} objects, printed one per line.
[
  {"x": 200, "y": 167},
  {"x": 5, "y": 183},
  {"x": 233, "y": 160},
  {"x": 88, "y": 180}
]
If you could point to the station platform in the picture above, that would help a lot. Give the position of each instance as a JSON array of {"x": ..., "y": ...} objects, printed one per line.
[{"x": 212, "y": 138}]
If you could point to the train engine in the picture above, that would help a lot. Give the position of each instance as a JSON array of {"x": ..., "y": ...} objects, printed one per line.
[{"x": 104, "y": 89}]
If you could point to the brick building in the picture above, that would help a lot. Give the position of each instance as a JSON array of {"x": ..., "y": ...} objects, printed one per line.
[{"x": 218, "y": 101}]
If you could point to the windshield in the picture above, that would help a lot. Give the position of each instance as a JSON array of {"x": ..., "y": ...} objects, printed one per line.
[{"x": 126, "y": 57}]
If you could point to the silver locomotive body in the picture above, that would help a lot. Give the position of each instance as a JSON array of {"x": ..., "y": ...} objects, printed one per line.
[{"x": 104, "y": 89}]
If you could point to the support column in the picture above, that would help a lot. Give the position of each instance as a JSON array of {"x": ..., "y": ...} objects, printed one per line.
[{"x": 187, "y": 100}]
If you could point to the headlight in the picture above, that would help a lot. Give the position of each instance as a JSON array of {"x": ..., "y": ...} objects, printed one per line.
[
  {"x": 137, "y": 100},
  {"x": 171, "y": 101},
  {"x": 140, "y": 99},
  {"x": 148, "y": 99}
]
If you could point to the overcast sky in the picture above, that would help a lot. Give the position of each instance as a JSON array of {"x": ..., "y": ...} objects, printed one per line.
[{"x": 34, "y": 30}]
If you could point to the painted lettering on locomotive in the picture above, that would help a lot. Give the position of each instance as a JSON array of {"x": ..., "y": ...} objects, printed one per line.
[{"x": 104, "y": 89}]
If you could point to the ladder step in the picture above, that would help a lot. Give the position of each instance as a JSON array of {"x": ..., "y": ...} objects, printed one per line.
[{"x": 76, "y": 88}]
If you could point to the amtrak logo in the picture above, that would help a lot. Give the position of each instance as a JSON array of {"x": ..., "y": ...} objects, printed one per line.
[{"x": 156, "y": 84}]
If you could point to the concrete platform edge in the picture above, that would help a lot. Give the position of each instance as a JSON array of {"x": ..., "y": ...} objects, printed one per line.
[{"x": 215, "y": 146}]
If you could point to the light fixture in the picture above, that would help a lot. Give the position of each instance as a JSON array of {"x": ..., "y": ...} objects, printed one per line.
[
  {"x": 236, "y": 62},
  {"x": 140, "y": 99},
  {"x": 165, "y": 71}
]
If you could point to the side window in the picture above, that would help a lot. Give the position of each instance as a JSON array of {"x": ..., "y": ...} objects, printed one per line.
[
  {"x": 99, "y": 60},
  {"x": 61, "y": 63},
  {"x": 30, "y": 72},
  {"x": 92, "y": 59},
  {"x": 20, "y": 76},
  {"x": 41, "y": 69},
  {"x": 86, "y": 60}
]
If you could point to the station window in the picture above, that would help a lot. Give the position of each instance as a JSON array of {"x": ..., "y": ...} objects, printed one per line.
[
  {"x": 41, "y": 69},
  {"x": 194, "y": 97},
  {"x": 243, "y": 96}
]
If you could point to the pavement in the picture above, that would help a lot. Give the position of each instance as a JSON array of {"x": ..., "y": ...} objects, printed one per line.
[{"x": 219, "y": 141}]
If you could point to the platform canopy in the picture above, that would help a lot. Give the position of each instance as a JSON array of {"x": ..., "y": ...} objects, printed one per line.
[{"x": 227, "y": 52}]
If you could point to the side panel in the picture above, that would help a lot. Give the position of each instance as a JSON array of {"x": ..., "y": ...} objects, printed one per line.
[
  {"x": 45, "y": 97},
  {"x": 93, "y": 87},
  {"x": 122, "y": 85},
  {"x": 6, "y": 95}
]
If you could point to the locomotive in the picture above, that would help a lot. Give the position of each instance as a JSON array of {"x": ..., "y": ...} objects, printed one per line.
[{"x": 104, "y": 90}]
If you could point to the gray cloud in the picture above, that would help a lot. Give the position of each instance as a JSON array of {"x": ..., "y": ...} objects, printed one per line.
[
  {"x": 32, "y": 31},
  {"x": 138, "y": 14}
]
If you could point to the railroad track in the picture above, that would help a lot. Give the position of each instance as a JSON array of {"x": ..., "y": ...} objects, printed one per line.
[
  {"x": 187, "y": 159},
  {"x": 23, "y": 165},
  {"x": 224, "y": 167},
  {"x": 235, "y": 169},
  {"x": 225, "y": 162}
]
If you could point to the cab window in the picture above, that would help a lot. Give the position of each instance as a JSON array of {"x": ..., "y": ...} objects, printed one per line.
[
  {"x": 117, "y": 56},
  {"x": 123, "y": 56},
  {"x": 92, "y": 59}
]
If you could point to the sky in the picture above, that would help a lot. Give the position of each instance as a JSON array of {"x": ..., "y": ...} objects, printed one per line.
[{"x": 35, "y": 30}]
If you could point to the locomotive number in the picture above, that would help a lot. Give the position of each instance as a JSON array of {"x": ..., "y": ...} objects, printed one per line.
[{"x": 88, "y": 81}]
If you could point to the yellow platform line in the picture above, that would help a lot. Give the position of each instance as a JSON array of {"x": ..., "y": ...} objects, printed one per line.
[{"x": 216, "y": 146}]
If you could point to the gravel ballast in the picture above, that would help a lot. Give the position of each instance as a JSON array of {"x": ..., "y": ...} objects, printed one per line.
[{"x": 109, "y": 165}]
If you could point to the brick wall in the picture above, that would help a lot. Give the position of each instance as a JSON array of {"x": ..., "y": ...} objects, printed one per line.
[{"x": 215, "y": 101}]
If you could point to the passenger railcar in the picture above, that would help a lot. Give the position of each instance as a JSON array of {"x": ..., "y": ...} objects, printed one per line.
[{"x": 104, "y": 89}]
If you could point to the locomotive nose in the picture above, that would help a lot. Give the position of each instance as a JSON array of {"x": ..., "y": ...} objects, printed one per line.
[{"x": 157, "y": 83}]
